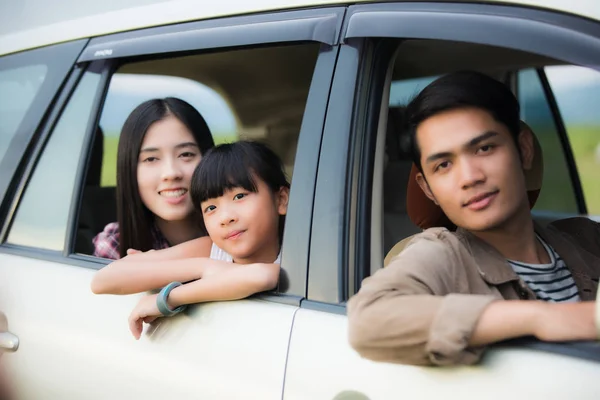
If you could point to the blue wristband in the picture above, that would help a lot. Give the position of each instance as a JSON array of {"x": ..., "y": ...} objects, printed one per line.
[{"x": 161, "y": 300}]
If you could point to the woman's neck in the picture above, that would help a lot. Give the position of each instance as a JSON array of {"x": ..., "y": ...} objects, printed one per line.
[{"x": 177, "y": 232}]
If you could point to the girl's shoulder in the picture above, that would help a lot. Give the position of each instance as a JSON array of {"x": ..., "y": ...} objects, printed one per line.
[{"x": 106, "y": 243}]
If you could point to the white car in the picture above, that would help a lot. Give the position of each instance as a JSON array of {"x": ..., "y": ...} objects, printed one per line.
[{"x": 321, "y": 83}]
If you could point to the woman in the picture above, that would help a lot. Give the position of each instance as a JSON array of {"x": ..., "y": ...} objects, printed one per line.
[{"x": 161, "y": 144}]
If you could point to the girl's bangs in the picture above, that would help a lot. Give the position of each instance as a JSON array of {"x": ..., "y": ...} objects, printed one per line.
[{"x": 218, "y": 173}]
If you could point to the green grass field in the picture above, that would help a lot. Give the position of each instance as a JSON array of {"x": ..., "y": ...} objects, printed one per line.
[{"x": 584, "y": 142}]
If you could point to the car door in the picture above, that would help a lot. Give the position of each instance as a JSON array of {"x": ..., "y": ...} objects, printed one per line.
[
  {"x": 76, "y": 345},
  {"x": 393, "y": 50}
]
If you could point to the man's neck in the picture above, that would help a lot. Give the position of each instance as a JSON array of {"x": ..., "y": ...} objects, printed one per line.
[
  {"x": 516, "y": 240},
  {"x": 177, "y": 232}
]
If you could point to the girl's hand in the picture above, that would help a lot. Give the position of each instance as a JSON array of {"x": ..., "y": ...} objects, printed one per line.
[{"x": 145, "y": 311}]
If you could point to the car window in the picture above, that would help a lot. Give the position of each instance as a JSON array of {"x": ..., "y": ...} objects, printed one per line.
[
  {"x": 43, "y": 212},
  {"x": 250, "y": 93},
  {"x": 577, "y": 93},
  {"x": 18, "y": 88},
  {"x": 557, "y": 194}
]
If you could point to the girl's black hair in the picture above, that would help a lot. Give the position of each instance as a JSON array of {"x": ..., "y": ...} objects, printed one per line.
[
  {"x": 135, "y": 219},
  {"x": 238, "y": 164}
]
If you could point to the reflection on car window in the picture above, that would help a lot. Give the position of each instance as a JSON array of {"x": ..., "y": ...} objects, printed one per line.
[
  {"x": 577, "y": 92},
  {"x": 41, "y": 219},
  {"x": 18, "y": 88},
  {"x": 557, "y": 193}
]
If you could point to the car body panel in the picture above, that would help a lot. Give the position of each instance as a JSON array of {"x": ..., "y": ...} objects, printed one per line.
[{"x": 77, "y": 345}]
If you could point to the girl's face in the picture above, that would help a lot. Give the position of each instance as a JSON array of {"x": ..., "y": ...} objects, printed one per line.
[
  {"x": 168, "y": 156},
  {"x": 246, "y": 224}
]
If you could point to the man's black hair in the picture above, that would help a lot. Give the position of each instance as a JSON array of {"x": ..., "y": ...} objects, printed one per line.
[{"x": 457, "y": 90}]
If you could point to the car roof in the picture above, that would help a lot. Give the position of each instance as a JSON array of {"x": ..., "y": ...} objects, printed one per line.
[{"x": 176, "y": 11}]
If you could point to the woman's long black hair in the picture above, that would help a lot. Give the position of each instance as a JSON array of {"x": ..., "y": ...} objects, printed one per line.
[{"x": 135, "y": 219}]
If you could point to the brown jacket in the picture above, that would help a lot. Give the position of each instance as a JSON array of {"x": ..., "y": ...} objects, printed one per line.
[{"x": 423, "y": 307}]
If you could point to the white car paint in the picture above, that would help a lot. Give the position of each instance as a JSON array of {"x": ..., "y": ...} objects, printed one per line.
[{"x": 77, "y": 345}]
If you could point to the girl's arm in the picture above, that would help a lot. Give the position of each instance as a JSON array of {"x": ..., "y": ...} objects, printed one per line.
[
  {"x": 233, "y": 282},
  {"x": 146, "y": 271}
]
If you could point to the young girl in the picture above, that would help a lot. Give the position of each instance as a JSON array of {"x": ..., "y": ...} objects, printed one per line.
[
  {"x": 242, "y": 193},
  {"x": 161, "y": 144}
]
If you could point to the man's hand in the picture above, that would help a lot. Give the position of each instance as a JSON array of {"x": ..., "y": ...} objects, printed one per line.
[
  {"x": 145, "y": 311},
  {"x": 550, "y": 322},
  {"x": 566, "y": 322}
]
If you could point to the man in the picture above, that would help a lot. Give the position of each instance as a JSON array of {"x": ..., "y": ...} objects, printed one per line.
[{"x": 438, "y": 301}]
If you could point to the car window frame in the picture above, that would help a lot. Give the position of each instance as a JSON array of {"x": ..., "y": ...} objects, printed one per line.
[
  {"x": 23, "y": 142},
  {"x": 410, "y": 20},
  {"x": 322, "y": 26}
]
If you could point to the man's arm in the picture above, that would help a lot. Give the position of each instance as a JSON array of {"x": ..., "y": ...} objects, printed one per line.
[
  {"x": 552, "y": 322},
  {"x": 412, "y": 312}
]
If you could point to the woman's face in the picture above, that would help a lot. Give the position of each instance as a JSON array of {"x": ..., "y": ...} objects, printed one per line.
[{"x": 168, "y": 156}]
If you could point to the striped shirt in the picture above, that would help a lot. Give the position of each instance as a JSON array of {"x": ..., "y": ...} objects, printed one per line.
[{"x": 550, "y": 282}]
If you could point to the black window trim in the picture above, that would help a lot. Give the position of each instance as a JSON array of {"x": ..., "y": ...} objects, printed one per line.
[
  {"x": 315, "y": 25},
  {"x": 330, "y": 228}
]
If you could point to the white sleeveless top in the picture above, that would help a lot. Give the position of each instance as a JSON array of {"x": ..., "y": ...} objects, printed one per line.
[{"x": 217, "y": 253}]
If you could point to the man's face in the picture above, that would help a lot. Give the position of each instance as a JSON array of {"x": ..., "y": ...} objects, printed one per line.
[{"x": 472, "y": 169}]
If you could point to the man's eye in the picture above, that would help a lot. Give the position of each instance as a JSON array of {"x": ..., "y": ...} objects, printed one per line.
[
  {"x": 442, "y": 165},
  {"x": 239, "y": 196},
  {"x": 486, "y": 148}
]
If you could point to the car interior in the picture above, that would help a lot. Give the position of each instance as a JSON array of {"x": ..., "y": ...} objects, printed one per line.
[{"x": 265, "y": 88}]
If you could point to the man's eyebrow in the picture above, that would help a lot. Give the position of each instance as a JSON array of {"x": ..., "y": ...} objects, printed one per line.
[
  {"x": 437, "y": 156},
  {"x": 484, "y": 136},
  {"x": 179, "y": 146},
  {"x": 471, "y": 143}
]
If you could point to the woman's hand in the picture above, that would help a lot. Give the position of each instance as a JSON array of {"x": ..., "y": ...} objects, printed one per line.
[{"x": 145, "y": 311}]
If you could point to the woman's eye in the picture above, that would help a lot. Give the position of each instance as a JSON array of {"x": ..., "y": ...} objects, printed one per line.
[
  {"x": 187, "y": 154},
  {"x": 149, "y": 159},
  {"x": 239, "y": 196}
]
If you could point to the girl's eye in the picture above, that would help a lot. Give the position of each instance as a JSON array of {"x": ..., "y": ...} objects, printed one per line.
[
  {"x": 187, "y": 154},
  {"x": 209, "y": 208},
  {"x": 239, "y": 196},
  {"x": 149, "y": 159}
]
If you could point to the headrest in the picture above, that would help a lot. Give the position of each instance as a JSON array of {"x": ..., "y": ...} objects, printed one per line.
[{"x": 426, "y": 214}]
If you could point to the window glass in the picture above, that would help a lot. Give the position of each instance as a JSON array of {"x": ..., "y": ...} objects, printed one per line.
[
  {"x": 42, "y": 215},
  {"x": 577, "y": 92},
  {"x": 18, "y": 88},
  {"x": 557, "y": 193}
]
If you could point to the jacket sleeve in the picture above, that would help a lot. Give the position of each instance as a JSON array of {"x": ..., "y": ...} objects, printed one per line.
[{"x": 413, "y": 311}]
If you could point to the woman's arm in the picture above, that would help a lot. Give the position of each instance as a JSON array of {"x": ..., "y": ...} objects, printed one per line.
[{"x": 146, "y": 271}]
